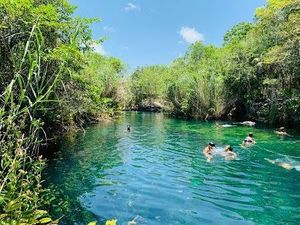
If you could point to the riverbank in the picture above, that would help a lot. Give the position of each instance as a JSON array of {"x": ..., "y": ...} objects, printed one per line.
[
  {"x": 234, "y": 111},
  {"x": 252, "y": 76},
  {"x": 51, "y": 82}
]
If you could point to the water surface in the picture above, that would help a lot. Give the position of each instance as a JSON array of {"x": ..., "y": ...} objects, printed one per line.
[{"x": 157, "y": 174}]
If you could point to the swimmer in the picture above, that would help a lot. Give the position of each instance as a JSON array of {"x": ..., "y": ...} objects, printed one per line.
[
  {"x": 208, "y": 151},
  {"x": 128, "y": 128},
  {"x": 284, "y": 165},
  {"x": 229, "y": 153},
  {"x": 248, "y": 123},
  {"x": 281, "y": 131},
  {"x": 218, "y": 125},
  {"x": 227, "y": 125},
  {"x": 249, "y": 140}
]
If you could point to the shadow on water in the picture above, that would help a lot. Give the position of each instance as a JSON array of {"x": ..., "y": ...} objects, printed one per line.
[{"x": 157, "y": 174}]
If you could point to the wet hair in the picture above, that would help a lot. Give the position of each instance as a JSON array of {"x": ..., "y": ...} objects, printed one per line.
[
  {"x": 229, "y": 148},
  {"x": 211, "y": 144},
  {"x": 250, "y": 134}
]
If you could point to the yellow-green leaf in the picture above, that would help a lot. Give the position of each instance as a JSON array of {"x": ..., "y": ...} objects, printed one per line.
[
  {"x": 3, "y": 216},
  {"x": 40, "y": 213},
  {"x": 92, "y": 223},
  {"x": 111, "y": 222},
  {"x": 45, "y": 220}
]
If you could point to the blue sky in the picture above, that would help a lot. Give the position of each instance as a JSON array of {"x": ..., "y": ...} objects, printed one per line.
[{"x": 147, "y": 32}]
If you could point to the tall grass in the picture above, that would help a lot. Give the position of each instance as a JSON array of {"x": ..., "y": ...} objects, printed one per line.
[{"x": 21, "y": 133}]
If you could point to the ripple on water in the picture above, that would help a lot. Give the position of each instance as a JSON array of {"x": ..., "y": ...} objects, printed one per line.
[{"x": 157, "y": 173}]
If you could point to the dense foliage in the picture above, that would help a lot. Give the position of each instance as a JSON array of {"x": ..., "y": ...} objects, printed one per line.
[
  {"x": 91, "y": 94},
  {"x": 255, "y": 74},
  {"x": 50, "y": 80}
]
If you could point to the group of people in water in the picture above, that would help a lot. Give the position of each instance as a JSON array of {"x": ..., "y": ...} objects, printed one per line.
[{"x": 228, "y": 153}]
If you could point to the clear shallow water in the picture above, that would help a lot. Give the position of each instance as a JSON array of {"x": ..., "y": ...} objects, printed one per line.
[{"x": 157, "y": 174}]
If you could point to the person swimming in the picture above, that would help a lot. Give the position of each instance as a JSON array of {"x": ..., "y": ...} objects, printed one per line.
[
  {"x": 281, "y": 131},
  {"x": 227, "y": 125},
  {"x": 218, "y": 125},
  {"x": 248, "y": 123},
  {"x": 249, "y": 140},
  {"x": 285, "y": 165},
  {"x": 229, "y": 153},
  {"x": 128, "y": 128},
  {"x": 208, "y": 151}
]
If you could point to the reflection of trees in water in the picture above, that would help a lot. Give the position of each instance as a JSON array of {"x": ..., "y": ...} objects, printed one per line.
[
  {"x": 76, "y": 167},
  {"x": 247, "y": 188}
]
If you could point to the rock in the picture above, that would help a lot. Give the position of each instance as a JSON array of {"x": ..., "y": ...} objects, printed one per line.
[{"x": 148, "y": 106}]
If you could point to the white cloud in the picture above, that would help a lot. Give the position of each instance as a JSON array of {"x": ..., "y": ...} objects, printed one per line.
[
  {"x": 131, "y": 7},
  {"x": 109, "y": 29},
  {"x": 191, "y": 35},
  {"x": 99, "y": 49}
]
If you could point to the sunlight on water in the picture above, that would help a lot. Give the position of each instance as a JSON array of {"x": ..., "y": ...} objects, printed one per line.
[{"x": 156, "y": 174}]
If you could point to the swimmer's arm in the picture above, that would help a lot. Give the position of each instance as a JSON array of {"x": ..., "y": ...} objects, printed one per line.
[
  {"x": 280, "y": 133},
  {"x": 207, "y": 155},
  {"x": 243, "y": 145},
  {"x": 205, "y": 152},
  {"x": 283, "y": 133},
  {"x": 230, "y": 157},
  {"x": 233, "y": 155}
]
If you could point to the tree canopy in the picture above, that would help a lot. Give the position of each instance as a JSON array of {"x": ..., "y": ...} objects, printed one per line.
[{"x": 258, "y": 67}]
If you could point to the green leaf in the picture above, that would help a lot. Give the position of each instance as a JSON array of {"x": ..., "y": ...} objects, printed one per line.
[
  {"x": 39, "y": 213},
  {"x": 45, "y": 220}
]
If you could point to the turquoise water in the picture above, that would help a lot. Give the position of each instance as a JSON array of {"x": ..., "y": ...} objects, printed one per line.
[{"x": 157, "y": 174}]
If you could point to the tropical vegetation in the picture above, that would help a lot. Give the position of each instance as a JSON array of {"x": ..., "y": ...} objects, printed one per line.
[
  {"x": 52, "y": 81},
  {"x": 254, "y": 75}
]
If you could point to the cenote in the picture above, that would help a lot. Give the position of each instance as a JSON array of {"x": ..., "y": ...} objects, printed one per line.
[{"x": 157, "y": 174}]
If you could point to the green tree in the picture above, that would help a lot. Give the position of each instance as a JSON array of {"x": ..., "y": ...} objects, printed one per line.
[{"x": 237, "y": 33}]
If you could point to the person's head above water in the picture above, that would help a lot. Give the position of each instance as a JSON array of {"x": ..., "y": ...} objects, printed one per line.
[
  {"x": 128, "y": 127},
  {"x": 229, "y": 148},
  {"x": 211, "y": 144},
  {"x": 250, "y": 134},
  {"x": 282, "y": 129}
]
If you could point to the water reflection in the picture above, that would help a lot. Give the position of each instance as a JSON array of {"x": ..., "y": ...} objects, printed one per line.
[
  {"x": 157, "y": 173},
  {"x": 78, "y": 166}
]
